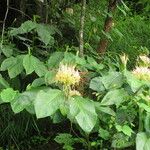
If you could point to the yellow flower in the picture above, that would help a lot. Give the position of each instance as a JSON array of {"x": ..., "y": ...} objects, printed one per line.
[
  {"x": 67, "y": 75},
  {"x": 74, "y": 92},
  {"x": 142, "y": 73}
]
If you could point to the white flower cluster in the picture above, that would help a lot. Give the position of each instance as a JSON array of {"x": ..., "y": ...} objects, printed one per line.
[
  {"x": 144, "y": 59},
  {"x": 67, "y": 75},
  {"x": 142, "y": 73}
]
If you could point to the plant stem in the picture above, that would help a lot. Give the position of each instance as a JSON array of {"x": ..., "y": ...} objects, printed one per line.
[
  {"x": 88, "y": 142},
  {"x": 140, "y": 120}
]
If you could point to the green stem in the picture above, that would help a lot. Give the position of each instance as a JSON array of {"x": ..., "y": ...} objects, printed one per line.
[
  {"x": 88, "y": 142},
  {"x": 140, "y": 120},
  {"x": 29, "y": 51}
]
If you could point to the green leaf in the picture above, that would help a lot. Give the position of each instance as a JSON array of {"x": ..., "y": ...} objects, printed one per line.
[
  {"x": 133, "y": 82},
  {"x": 7, "y": 95},
  {"x": 147, "y": 144},
  {"x": 25, "y": 100},
  {"x": 13, "y": 65},
  {"x": 127, "y": 130},
  {"x": 38, "y": 82},
  {"x": 119, "y": 128},
  {"x": 8, "y": 63},
  {"x": 50, "y": 77},
  {"x": 123, "y": 11},
  {"x": 57, "y": 117},
  {"x": 118, "y": 32},
  {"x": 7, "y": 50},
  {"x": 97, "y": 85},
  {"x": 141, "y": 139},
  {"x": 32, "y": 63},
  {"x": 93, "y": 19},
  {"x": 106, "y": 110},
  {"x": 112, "y": 80},
  {"x": 17, "y": 68},
  {"x": 3, "y": 82},
  {"x": 107, "y": 35},
  {"x": 122, "y": 141},
  {"x": 64, "y": 109},
  {"x": 80, "y": 61},
  {"x": 45, "y": 33},
  {"x": 93, "y": 65},
  {"x": 104, "y": 134},
  {"x": 125, "y": 6},
  {"x": 91, "y": 61},
  {"x": 55, "y": 59},
  {"x": 115, "y": 97},
  {"x": 28, "y": 63},
  {"x": 65, "y": 139},
  {"x": 83, "y": 111},
  {"x": 40, "y": 68},
  {"x": 144, "y": 106},
  {"x": 20, "y": 103},
  {"x": 25, "y": 27},
  {"x": 47, "y": 103},
  {"x": 69, "y": 58}
]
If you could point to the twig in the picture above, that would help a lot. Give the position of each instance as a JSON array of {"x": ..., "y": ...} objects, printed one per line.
[
  {"x": 4, "y": 23},
  {"x": 82, "y": 19},
  {"x": 20, "y": 12}
]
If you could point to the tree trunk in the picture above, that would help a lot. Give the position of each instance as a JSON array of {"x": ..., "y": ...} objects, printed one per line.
[
  {"x": 107, "y": 26},
  {"x": 82, "y": 19}
]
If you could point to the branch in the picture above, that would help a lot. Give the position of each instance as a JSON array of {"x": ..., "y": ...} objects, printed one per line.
[
  {"x": 20, "y": 12},
  {"x": 4, "y": 23},
  {"x": 82, "y": 19}
]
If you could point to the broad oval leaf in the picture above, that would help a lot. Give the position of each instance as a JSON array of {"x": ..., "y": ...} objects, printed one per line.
[
  {"x": 55, "y": 59},
  {"x": 83, "y": 111},
  {"x": 32, "y": 63},
  {"x": 141, "y": 139},
  {"x": 134, "y": 83},
  {"x": 7, "y": 50},
  {"x": 26, "y": 100},
  {"x": 25, "y": 27},
  {"x": 8, "y": 95},
  {"x": 47, "y": 103},
  {"x": 112, "y": 80},
  {"x": 100, "y": 109},
  {"x": 115, "y": 97},
  {"x": 97, "y": 85},
  {"x": 28, "y": 62},
  {"x": 14, "y": 65},
  {"x": 17, "y": 68},
  {"x": 45, "y": 34},
  {"x": 8, "y": 63}
]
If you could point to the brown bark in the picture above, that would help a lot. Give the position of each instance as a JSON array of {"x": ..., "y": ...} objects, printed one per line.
[
  {"x": 81, "y": 36},
  {"x": 102, "y": 46}
]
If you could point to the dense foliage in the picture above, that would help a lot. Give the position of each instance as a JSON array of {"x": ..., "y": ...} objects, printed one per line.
[{"x": 51, "y": 97}]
